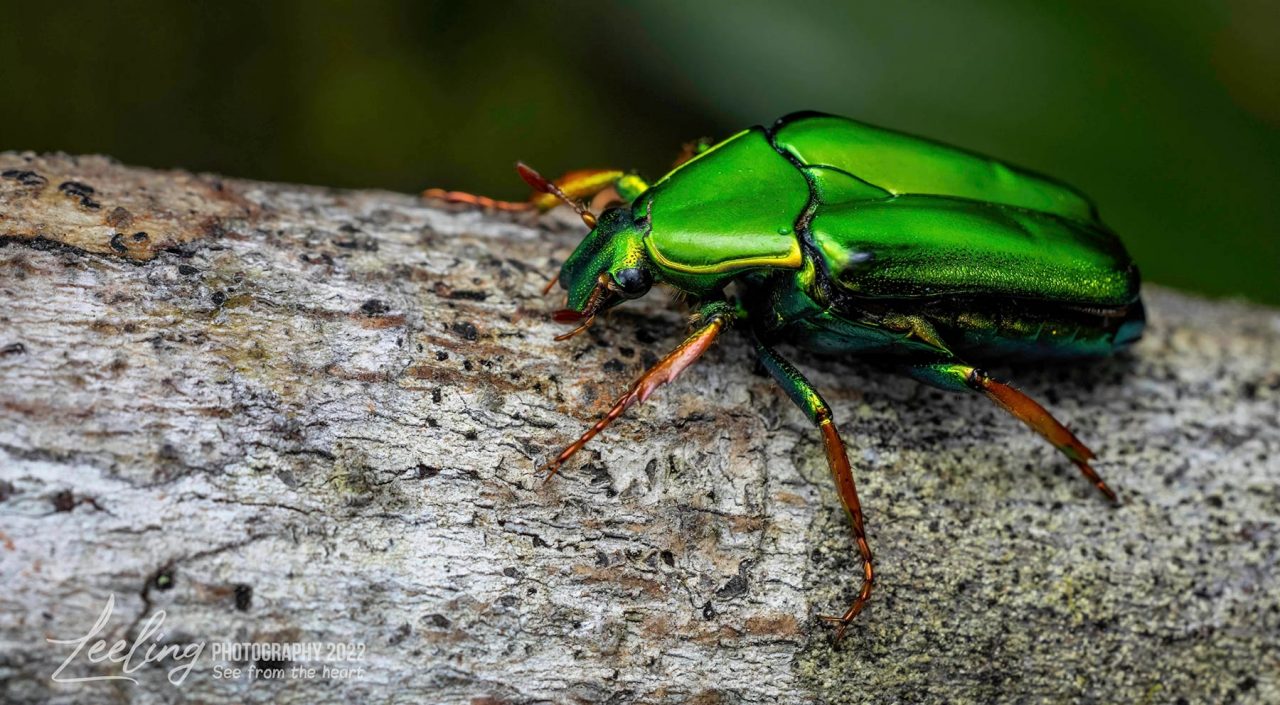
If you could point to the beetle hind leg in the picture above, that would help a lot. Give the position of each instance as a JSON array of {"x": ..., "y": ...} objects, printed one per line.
[
  {"x": 964, "y": 378},
  {"x": 815, "y": 407}
]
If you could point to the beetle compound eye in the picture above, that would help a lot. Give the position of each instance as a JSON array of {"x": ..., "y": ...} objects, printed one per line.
[{"x": 634, "y": 281}]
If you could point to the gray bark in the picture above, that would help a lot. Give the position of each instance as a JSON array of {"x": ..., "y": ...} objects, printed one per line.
[{"x": 275, "y": 413}]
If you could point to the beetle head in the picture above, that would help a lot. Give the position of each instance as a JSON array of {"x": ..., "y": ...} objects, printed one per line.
[{"x": 609, "y": 266}]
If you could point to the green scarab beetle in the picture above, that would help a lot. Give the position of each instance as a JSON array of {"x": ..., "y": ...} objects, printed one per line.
[{"x": 849, "y": 239}]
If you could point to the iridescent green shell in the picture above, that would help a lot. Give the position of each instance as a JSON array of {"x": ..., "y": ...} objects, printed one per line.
[{"x": 892, "y": 216}]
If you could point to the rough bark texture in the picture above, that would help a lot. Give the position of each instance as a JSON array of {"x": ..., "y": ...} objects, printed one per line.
[{"x": 290, "y": 414}]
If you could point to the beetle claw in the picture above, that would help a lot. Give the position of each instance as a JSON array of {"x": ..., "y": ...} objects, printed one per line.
[
  {"x": 547, "y": 289},
  {"x": 841, "y": 624},
  {"x": 581, "y": 327}
]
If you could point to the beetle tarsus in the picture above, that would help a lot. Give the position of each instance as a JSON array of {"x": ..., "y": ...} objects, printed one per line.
[
  {"x": 476, "y": 200},
  {"x": 547, "y": 289}
]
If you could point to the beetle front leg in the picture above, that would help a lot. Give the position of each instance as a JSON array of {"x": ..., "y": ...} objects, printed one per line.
[
  {"x": 711, "y": 319},
  {"x": 807, "y": 398},
  {"x": 964, "y": 378}
]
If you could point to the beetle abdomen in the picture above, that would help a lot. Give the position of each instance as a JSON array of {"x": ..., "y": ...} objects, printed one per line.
[{"x": 929, "y": 246}]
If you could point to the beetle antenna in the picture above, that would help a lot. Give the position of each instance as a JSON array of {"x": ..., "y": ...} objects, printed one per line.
[{"x": 541, "y": 185}]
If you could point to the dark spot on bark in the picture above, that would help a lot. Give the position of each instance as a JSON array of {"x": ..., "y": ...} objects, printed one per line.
[
  {"x": 470, "y": 434},
  {"x": 163, "y": 580},
  {"x": 64, "y": 501},
  {"x": 538, "y": 542},
  {"x": 668, "y": 558},
  {"x": 1247, "y": 684},
  {"x": 373, "y": 307},
  {"x": 600, "y": 477},
  {"x": 7, "y": 490},
  {"x": 645, "y": 336},
  {"x": 76, "y": 189},
  {"x": 401, "y": 633},
  {"x": 466, "y": 365},
  {"x": 465, "y": 330},
  {"x": 320, "y": 258},
  {"x": 440, "y": 621},
  {"x": 1214, "y": 501},
  {"x": 708, "y": 612},
  {"x": 354, "y": 242},
  {"x": 120, "y": 218},
  {"x": 510, "y": 572},
  {"x": 468, "y": 294},
  {"x": 187, "y": 269},
  {"x": 426, "y": 471},
  {"x": 614, "y": 365},
  {"x": 84, "y": 192},
  {"x": 442, "y": 355},
  {"x": 117, "y": 243},
  {"x": 13, "y": 349},
  {"x": 737, "y": 585},
  {"x": 348, "y": 228},
  {"x": 436, "y": 396},
  {"x": 24, "y": 177},
  {"x": 626, "y": 351},
  {"x": 244, "y": 597},
  {"x": 140, "y": 236},
  {"x": 649, "y": 359},
  {"x": 219, "y": 298}
]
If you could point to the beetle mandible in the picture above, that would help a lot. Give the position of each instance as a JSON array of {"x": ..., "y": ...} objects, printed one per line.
[{"x": 848, "y": 239}]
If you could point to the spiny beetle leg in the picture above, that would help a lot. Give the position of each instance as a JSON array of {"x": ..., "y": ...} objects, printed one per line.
[
  {"x": 475, "y": 200},
  {"x": 964, "y": 378},
  {"x": 577, "y": 185},
  {"x": 807, "y": 398},
  {"x": 712, "y": 319}
]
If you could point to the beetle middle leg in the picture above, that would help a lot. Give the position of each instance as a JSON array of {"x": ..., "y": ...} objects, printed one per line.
[
  {"x": 803, "y": 393},
  {"x": 957, "y": 377}
]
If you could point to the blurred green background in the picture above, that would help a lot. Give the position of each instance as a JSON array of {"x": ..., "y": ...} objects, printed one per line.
[{"x": 1166, "y": 113}]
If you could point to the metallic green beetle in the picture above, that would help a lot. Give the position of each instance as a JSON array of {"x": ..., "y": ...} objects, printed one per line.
[{"x": 848, "y": 239}]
